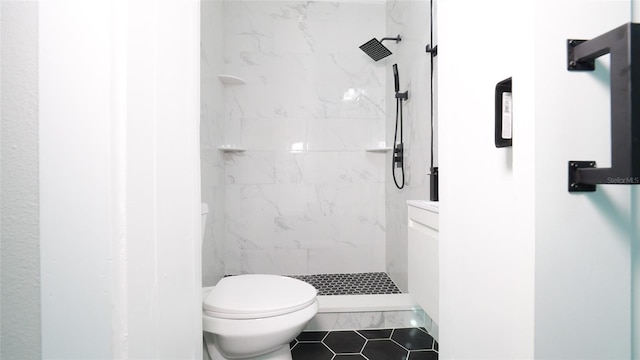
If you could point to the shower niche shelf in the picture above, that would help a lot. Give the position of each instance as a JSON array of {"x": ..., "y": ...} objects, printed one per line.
[
  {"x": 379, "y": 150},
  {"x": 231, "y": 80},
  {"x": 231, "y": 148}
]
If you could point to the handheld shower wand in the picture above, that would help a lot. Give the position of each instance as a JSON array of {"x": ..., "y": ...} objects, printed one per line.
[
  {"x": 398, "y": 146},
  {"x": 396, "y": 80}
]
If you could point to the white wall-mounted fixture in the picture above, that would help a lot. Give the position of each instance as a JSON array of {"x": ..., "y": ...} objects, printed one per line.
[
  {"x": 231, "y": 148},
  {"x": 379, "y": 150},
  {"x": 231, "y": 79}
]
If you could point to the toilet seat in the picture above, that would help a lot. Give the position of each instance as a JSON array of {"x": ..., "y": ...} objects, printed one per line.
[{"x": 258, "y": 296}]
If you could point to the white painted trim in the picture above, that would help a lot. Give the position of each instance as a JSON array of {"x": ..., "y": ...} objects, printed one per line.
[{"x": 120, "y": 179}]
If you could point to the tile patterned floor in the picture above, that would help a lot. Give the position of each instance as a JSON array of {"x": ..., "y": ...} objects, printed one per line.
[
  {"x": 351, "y": 283},
  {"x": 384, "y": 344}
]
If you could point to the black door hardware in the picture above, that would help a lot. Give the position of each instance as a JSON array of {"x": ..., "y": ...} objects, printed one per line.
[{"x": 623, "y": 45}]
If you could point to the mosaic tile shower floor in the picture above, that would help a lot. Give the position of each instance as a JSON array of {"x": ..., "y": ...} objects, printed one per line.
[
  {"x": 383, "y": 344},
  {"x": 351, "y": 283}
]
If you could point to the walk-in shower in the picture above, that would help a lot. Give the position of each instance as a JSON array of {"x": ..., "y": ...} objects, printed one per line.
[{"x": 295, "y": 174}]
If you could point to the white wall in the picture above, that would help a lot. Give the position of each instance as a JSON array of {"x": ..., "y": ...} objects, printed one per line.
[
  {"x": 20, "y": 258},
  {"x": 582, "y": 240},
  {"x": 528, "y": 270},
  {"x": 119, "y": 179},
  {"x": 74, "y": 179},
  {"x": 486, "y": 225}
]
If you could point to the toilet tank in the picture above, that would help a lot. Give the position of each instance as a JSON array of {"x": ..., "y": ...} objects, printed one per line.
[{"x": 203, "y": 219}]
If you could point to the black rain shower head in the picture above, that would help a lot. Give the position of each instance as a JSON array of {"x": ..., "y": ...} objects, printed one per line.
[{"x": 376, "y": 50}]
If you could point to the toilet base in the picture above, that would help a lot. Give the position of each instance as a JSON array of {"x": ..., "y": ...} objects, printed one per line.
[{"x": 284, "y": 353}]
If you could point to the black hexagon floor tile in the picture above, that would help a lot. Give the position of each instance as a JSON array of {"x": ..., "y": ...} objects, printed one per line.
[
  {"x": 369, "y": 344},
  {"x": 311, "y": 351},
  {"x": 423, "y": 355},
  {"x": 344, "y": 342},
  {"x": 384, "y": 349},
  {"x": 376, "y": 334},
  {"x": 312, "y": 335},
  {"x": 413, "y": 339}
]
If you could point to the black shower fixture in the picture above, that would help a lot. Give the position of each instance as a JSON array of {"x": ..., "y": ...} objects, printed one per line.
[
  {"x": 376, "y": 50},
  {"x": 397, "y": 160}
]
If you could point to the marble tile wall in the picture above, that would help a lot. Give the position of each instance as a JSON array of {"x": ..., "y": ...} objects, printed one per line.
[
  {"x": 305, "y": 197},
  {"x": 411, "y": 20},
  {"x": 211, "y": 136}
]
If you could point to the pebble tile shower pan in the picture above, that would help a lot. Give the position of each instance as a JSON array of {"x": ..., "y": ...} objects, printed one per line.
[{"x": 371, "y": 283}]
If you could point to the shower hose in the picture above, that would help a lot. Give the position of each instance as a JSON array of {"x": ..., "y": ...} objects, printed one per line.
[{"x": 398, "y": 147}]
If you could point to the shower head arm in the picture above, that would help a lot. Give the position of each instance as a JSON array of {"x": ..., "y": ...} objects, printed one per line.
[{"x": 397, "y": 38}]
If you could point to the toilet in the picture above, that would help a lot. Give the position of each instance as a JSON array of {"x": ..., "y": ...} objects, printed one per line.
[{"x": 255, "y": 316}]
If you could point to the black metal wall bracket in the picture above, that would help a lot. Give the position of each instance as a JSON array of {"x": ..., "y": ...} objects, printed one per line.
[
  {"x": 623, "y": 45},
  {"x": 403, "y": 95},
  {"x": 432, "y": 50},
  {"x": 574, "y": 176},
  {"x": 574, "y": 64}
]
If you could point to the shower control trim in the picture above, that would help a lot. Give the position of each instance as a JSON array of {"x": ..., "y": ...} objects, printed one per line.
[{"x": 398, "y": 154}]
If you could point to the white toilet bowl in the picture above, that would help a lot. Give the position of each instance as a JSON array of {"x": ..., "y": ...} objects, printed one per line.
[{"x": 256, "y": 316}]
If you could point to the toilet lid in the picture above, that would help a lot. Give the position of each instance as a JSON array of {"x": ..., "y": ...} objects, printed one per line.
[{"x": 257, "y": 296}]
